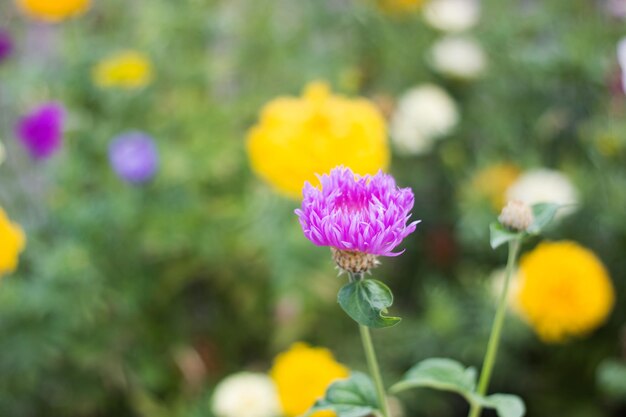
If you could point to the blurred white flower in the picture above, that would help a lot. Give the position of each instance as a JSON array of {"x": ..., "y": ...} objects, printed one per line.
[
  {"x": 423, "y": 114},
  {"x": 452, "y": 15},
  {"x": 544, "y": 186},
  {"x": 3, "y": 153},
  {"x": 458, "y": 57},
  {"x": 246, "y": 394},
  {"x": 621, "y": 58}
]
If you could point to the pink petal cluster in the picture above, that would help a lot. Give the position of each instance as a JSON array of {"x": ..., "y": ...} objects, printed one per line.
[{"x": 366, "y": 214}]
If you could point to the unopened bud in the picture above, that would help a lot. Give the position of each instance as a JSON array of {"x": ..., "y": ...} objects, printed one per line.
[
  {"x": 353, "y": 261},
  {"x": 516, "y": 215}
]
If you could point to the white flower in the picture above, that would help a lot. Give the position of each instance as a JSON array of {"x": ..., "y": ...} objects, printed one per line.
[
  {"x": 246, "y": 394},
  {"x": 458, "y": 57},
  {"x": 452, "y": 15},
  {"x": 544, "y": 186},
  {"x": 423, "y": 114},
  {"x": 621, "y": 58}
]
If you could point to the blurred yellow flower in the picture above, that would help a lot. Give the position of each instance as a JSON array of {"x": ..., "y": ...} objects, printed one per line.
[
  {"x": 493, "y": 181},
  {"x": 563, "y": 290},
  {"x": 401, "y": 6},
  {"x": 128, "y": 70},
  {"x": 302, "y": 374},
  {"x": 297, "y": 138},
  {"x": 12, "y": 241},
  {"x": 53, "y": 10}
]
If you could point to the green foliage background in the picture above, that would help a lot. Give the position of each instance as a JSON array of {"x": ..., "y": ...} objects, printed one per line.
[{"x": 121, "y": 286}]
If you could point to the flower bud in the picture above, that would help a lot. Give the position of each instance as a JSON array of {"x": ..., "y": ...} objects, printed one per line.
[{"x": 516, "y": 215}]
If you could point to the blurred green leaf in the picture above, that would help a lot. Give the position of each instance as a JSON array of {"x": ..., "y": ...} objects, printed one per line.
[
  {"x": 499, "y": 235},
  {"x": 543, "y": 213},
  {"x": 365, "y": 301},
  {"x": 352, "y": 397},
  {"x": 506, "y": 405},
  {"x": 441, "y": 374},
  {"x": 611, "y": 376}
]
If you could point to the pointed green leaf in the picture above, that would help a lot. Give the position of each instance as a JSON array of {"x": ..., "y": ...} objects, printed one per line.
[
  {"x": 543, "y": 213},
  {"x": 366, "y": 301},
  {"x": 442, "y": 374},
  {"x": 506, "y": 405},
  {"x": 499, "y": 235},
  {"x": 352, "y": 397}
]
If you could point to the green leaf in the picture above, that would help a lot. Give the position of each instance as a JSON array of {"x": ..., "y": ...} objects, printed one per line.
[
  {"x": 366, "y": 301},
  {"x": 506, "y": 405},
  {"x": 499, "y": 235},
  {"x": 543, "y": 213},
  {"x": 611, "y": 376},
  {"x": 352, "y": 397},
  {"x": 442, "y": 374}
]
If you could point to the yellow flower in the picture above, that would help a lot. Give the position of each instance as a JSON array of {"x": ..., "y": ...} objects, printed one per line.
[
  {"x": 400, "y": 6},
  {"x": 493, "y": 181},
  {"x": 297, "y": 138},
  {"x": 128, "y": 70},
  {"x": 53, "y": 10},
  {"x": 12, "y": 241},
  {"x": 564, "y": 290},
  {"x": 302, "y": 374}
]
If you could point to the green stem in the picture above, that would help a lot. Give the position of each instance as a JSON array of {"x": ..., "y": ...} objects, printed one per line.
[
  {"x": 496, "y": 329},
  {"x": 372, "y": 363}
]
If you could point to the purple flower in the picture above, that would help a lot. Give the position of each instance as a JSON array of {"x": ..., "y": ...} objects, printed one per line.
[
  {"x": 41, "y": 130},
  {"x": 6, "y": 45},
  {"x": 357, "y": 214},
  {"x": 134, "y": 157}
]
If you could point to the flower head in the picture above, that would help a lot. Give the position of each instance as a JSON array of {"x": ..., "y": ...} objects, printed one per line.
[
  {"x": 12, "y": 242},
  {"x": 53, "y": 10},
  {"x": 452, "y": 15},
  {"x": 246, "y": 394},
  {"x": 298, "y": 137},
  {"x": 424, "y": 114},
  {"x": 41, "y": 130},
  {"x": 134, "y": 157},
  {"x": 6, "y": 45},
  {"x": 302, "y": 374},
  {"x": 127, "y": 70},
  {"x": 365, "y": 215},
  {"x": 516, "y": 215},
  {"x": 458, "y": 56},
  {"x": 563, "y": 290}
]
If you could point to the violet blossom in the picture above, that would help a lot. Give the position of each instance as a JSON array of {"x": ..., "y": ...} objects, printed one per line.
[
  {"x": 41, "y": 130},
  {"x": 134, "y": 157}
]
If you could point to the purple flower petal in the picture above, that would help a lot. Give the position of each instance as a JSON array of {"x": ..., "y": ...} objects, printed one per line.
[
  {"x": 366, "y": 214},
  {"x": 41, "y": 130},
  {"x": 134, "y": 157},
  {"x": 6, "y": 45}
]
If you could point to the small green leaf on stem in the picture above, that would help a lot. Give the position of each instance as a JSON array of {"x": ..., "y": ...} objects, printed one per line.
[
  {"x": 499, "y": 235},
  {"x": 366, "y": 301},
  {"x": 352, "y": 397},
  {"x": 442, "y": 374},
  {"x": 506, "y": 405},
  {"x": 543, "y": 213}
]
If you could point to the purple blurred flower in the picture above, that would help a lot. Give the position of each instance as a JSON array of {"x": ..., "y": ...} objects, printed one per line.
[
  {"x": 6, "y": 45},
  {"x": 134, "y": 157},
  {"x": 41, "y": 130},
  {"x": 616, "y": 8},
  {"x": 357, "y": 214}
]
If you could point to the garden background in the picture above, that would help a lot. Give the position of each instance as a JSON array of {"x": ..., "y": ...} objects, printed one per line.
[{"x": 137, "y": 298}]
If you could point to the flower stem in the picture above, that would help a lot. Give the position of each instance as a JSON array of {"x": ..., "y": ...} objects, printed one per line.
[
  {"x": 496, "y": 329},
  {"x": 372, "y": 363}
]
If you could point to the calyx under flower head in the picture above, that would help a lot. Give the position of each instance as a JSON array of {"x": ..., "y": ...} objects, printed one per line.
[
  {"x": 354, "y": 262},
  {"x": 516, "y": 215}
]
